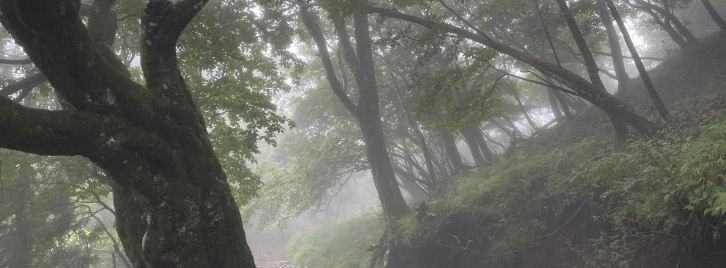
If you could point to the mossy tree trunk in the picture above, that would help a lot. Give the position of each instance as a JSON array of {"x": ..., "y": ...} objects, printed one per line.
[{"x": 171, "y": 190}]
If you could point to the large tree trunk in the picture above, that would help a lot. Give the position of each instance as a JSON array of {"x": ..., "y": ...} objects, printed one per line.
[
  {"x": 151, "y": 140},
  {"x": 384, "y": 177},
  {"x": 131, "y": 223},
  {"x": 714, "y": 15}
]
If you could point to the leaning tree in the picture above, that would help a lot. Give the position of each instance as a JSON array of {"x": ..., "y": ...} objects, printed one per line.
[{"x": 173, "y": 201}]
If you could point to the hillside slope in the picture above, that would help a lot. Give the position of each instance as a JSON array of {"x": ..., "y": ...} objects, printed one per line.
[{"x": 570, "y": 198}]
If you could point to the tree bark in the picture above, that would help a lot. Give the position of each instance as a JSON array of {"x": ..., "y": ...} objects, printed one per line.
[
  {"x": 659, "y": 106},
  {"x": 151, "y": 140},
  {"x": 714, "y": 15}
]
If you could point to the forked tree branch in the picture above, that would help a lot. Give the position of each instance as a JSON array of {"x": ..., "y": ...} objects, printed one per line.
[
  {"x": 317, "y": 34},
  {"x": 52, "y": 33}
]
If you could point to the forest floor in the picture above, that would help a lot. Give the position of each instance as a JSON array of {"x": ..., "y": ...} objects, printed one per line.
[{"x": 571, "y": 197}]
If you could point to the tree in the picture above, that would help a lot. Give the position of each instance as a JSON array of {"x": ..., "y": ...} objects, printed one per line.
[
  {"x": 663, "y": 17},
  {"x": 577, "y": 85},
  {"x": 659, "y": 106},
  {"x": 614, "y": 43},
  {"x": 152, "y": 140},
  {"x": 366, "y": 111},
  {"x": 592, "y": 69}
]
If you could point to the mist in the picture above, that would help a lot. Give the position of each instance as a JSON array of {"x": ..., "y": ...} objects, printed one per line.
[{"x": 359, "y": 133}]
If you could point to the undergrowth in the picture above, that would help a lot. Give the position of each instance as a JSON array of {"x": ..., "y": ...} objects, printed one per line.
[{"x": 588, "y": 203}]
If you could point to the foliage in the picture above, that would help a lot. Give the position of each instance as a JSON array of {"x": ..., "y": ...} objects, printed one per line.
[
  {"x": 309, "y": 177},
  {"x": 334, "y": 245},
  {"x": 647, "y": 193},
  {"x": 234, "y": 80},
  {"x": 47, "y": 211}
]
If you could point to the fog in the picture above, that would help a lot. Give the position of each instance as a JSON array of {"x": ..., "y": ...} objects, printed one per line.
[{"x": 399, "y": 134}]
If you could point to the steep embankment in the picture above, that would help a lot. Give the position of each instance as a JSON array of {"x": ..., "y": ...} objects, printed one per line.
[{"x": 570, "y": 198}]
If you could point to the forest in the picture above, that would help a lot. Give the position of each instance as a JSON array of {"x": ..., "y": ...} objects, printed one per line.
[{"x": 362, "y": 133}]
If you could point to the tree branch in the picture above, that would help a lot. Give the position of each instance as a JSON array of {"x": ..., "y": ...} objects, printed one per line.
[
  {"x": 163, "y": 23},
  {"x": 317, "y": 34},
  {"x": 41, "y": 131},
  {"x": 51, "y": 31},
  {"x": 21, "y": 61},
  {"x": 28, "y": 82}
]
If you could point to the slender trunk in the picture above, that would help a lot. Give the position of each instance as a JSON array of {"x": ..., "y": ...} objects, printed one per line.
[
  {"x": 420, "y": 139},
  {"x": 565, "y": 103},
  {"x": 408, "y": 183},
  {"x": 670, "y": 23},
  {"x": 682, "y": 29},
  {"x": 714, "y": 15},
  {"x": 483, "y": 146},
  {"x": 452, "y": 153},
  {"x": 515, "y": 129},
  {"x": 554, "y": 105},
  {"x": 384, "y": 178},
  {"x": 660, "y": 107},
  {"x": 470, "y": 138},
  {"x": 591, "y": 65},
  {"x": 494, "y": 142},
  {"x": 524, "y": 110},
  {"x": 366, "y": 112},
  {"x": 114, "y": 243},
  {"x": 615, "y": 49}
]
